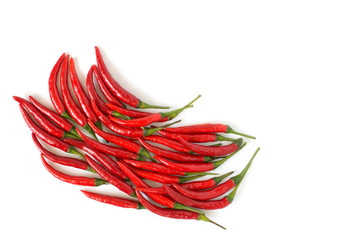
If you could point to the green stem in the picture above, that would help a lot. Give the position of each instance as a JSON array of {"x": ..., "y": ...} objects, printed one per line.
[
  {"x": 65, "y": 114},
  {"x": 120, "y": 115},
  {"x": 218, "y": 163},
  {"x": 74, "y": 151},
  {"x": 174, "y": 113},
  {"x": 230, "y": 130},
  {"x": 73, "y": 131},
  {"x": 99, "y": 182},
  {"x": 238, "y": 178},
  {"x": 199, "y": 173},
  {"x": 222, "y": 138},
  {"x": 98, "y": 125},
  {"x": 202, "y": 217},
  {"x": 142, "y": 104},
  {"x": 231, "y": 195},
  {"x": 149, "y": 131},
  {"x": 185, "y": 179},
  {"x": 70, "y": 135},
  {"x": 89, "y": 130},
  {"x": 145, "y": 153},
  {"x": 183, "y": 207},
  {"x": 220, "y": 178}
]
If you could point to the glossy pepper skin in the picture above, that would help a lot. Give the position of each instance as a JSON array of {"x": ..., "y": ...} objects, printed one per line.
[
  {"x": 115, "y": 181},
  {"x": 53, "y": 90},
  {"x": 196, "y": 137},
  {"x": 219, "y": 189},
  {"x": 66, "y": 161},
  {"x": 116, "y": 201},
  {"x": 206, "y": 128},
  {"x": 171, "y": 143},
  {"x": 83, "y": 181},
  {"x": 121, "y": 93}
]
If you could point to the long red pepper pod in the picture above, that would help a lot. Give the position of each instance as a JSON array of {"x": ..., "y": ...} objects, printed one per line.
[
  {"x": 144, "y": 121},
  {"x": 219, "y": 189},
  {"x": 53, "y": 90},
  {"x": 122, "y": 94},
  {"x": 177, "y": 156},
  {"x": 194, "y": 185},
  {"x": 80, "y": 93},
  {"x": 172, "y": 213},
  {"x": 67, "y": 161},
  {"x": 196, "y": 167},
  {"x": 161, "y": 199},
  {"x": 116, "y": 201},
  {"x": 108, "y": 176},
  {"x": 111, "y": 150},
  {"x": 212, "y": 150},
  {"x": 161, "y": 177},
  {"x": 197, "y": 137},
  {"x": 77, "y": 180},
  {"x": 130, "y": 113},
  {"x": 171, "y": 143},
  {"x": 210, "y": 204},
  {"x": 121, "y": 141},
  {"x": 55, "y": 117},
  {"x": 45, "y": 136},
  {"x": 104, "y": 159},
  {"x": 207, "y": 128},
  {"x": 104, "y": 89},
  {"x": 42, "y": 120}
]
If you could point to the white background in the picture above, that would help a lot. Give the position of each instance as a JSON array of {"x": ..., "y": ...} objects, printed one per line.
[{"x": 284, "y": 71}]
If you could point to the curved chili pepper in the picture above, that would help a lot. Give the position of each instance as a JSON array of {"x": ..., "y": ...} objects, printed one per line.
[
  {"x": 144, "y": 121},
  {"x": 113, "y": 179},
  {"x": 47, "y": 137},
  {"x": 83, "y": 181},
  {"x": 211, "y": 150},
  {"x": 42, "y": 120},
  {"x": 67, "y": 161},
  {"x": 53, "y": 90},
  {"x": 199, "y": 138},
  {"x": 207, "y": 128},
  {"x": 130, "y": 113},
  {"x": 74, "y": 110},
  {"x": 173, "y": 213},
  {"x": 115, "y": 87},
  {"x": 117, "y": 201},
  {"x": 195, "y": 167},
  {"x": 210, "y": 205},
  {"x": 106, "y": 92},
  {"x": 55, "y": 117},
  {"x": 162, "y": 178},
  {"x": 121, "y": 141},
  {"x": 111, "y": 150},
  {"x": 124, "y": 131},
  {"x": 80, "y": 94},
  {"x": 104, "y": 159},
  {"x": 196, "y": 185},
  {"x": 219, "y": 189},
  {"x": 160, "y": 168},
  {"x": 171, "y": 143},
  {"x": 177, "y": 156},
  {"x": 161, "y": 199}
]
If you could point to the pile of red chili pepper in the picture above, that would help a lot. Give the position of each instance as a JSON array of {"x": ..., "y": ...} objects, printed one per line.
[{"x": 158, "y": 167}]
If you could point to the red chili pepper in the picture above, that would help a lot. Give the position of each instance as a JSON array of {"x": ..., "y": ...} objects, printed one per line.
[
  {"x": 144, "y": 121},
  {"x": 111, "y": 150},
  {"x": 121, "y": 112},
  {"x": 195, "y": 167},
  {"x": 198, "y": 138},
  {"x": 162, "y": 178},
  {"x": 115, "y": 87},
  {"x": 172, "y": 213},
  {"x": 59, "y": 120},
  {"x": 104, "y": 159},
  {"x": 124, "y": 131},
  {"x": 196, "y": 185},
  {"x": 171, "y": 143},
  {"x": 177, "y": 156},
  {"x": 106, "y": 92},
  {"x": 67, "y": 161},
  {"x": 80, "y": 94},
  {"x": 121, "y": 141},
  {"x": 113, "y": 179},
  {"x": 219, "y": 189},
  {"x": 207, "y": 128},
  {"x": 210, "y": 205},
  {"x": 53, "y": 90},
  {"x": 45, "y": 136},
  {"x": 161, "y": 199},
  {"x": 71, "y": 106},
  {"x": 211, "y": 150},
  {"x": 42, "y": 120},
  {"x": 117, "y": 201},
  {"x": 83, "y": 181}
]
